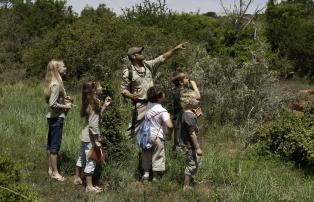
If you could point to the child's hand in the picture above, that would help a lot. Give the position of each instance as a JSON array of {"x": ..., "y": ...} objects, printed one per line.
[
  {"x": 68, "y": 105},
  {"x": 107, "y": 101},
  {"x": 68, "y": 97},
  {"x": 97, "y": 144},
  {"x": 192, "y": 82},
  {"x": 198, "y": 152},
  {"x": 198, "y": 111},
  {"x": 134, "y": 96}
]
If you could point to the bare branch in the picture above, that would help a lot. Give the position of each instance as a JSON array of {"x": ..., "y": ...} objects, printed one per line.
[
  {"x": 256, "y": 12},
  {"x": 223, "y": 7},
  {"x": 247, "y": 6},
  {"x": 241, "y": 5}
]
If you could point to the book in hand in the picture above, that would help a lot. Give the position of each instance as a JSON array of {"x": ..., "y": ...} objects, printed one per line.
[
  {"x": 198, "y": 111},
  {"x": 98, "y": 154}
]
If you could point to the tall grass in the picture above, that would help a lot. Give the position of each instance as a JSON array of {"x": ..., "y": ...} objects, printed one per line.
[{"x": 230, "y": 171}]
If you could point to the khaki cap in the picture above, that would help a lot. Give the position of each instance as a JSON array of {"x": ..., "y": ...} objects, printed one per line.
[
  {"x": 133, "y": 50},
  {"x": 178, "y": 76}
]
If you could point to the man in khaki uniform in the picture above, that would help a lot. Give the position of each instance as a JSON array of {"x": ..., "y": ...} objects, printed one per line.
[{"x": 136, "y": 83}]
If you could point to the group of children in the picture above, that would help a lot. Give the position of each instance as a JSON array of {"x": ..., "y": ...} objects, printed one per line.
[
  {"x": 186, "y": 110},
  {"x": 185, "y": 113}
]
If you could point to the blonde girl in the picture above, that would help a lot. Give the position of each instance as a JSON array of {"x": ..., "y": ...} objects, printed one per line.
[
  {"x": 58, "y": 106},
  {"x": 91, "y": 110}
]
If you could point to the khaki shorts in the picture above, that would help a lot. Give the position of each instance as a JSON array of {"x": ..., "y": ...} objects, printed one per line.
[{"x": 154, "y": 158}]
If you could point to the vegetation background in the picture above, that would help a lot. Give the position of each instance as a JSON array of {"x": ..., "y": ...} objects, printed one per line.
[{"x": 254, "y": 148}]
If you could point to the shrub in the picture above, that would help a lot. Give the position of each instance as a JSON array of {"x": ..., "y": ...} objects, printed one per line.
[
  {"x": 233, "y": 92},
  {"x": 148, "y": 13},
  {"x": 111, "y": 128},
  {"x": 11, "y": 188},
  {"x": 288, "y": 136}
]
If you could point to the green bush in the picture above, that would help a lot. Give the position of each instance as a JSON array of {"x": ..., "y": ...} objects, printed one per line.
[
  {"x": 94, "y": 45},
  {"x": 233, "y": 92},
  {"x": 288, "y": 136},
  {"x": 11, "y": 188},
  {"x": 289, "y": 30},
  {"x": 112, "y": 132},
  {"x": 23, "y": 23},
  {"x": 148, "y": 13}
]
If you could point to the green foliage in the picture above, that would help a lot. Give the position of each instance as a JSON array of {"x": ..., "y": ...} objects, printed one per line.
[
  {"x": 9, "y": 171},
  {"x": 289, "y": 136},
  {"x": 195, "y": 28},
  {"x": 289, "y": 29},
  {"x": 25, "y": 22},
  {"x": 148, "y": 13},
  {"x": 94, "y": 45},
  {"x": 11, "y": 188},
  {"x": 233, "y": 92},
  {"x": 112, "y": 132},
  {"x": 228, "y": 172}
]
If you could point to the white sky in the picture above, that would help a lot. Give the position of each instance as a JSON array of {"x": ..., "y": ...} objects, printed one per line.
[{"x": 178, "y": 5}]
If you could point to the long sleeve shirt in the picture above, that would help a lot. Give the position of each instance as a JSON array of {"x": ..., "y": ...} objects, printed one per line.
[
  {"x": 56, "y": 102},
  {"x": 91, "y": 129},
  {"x": 142, "y": 77}
]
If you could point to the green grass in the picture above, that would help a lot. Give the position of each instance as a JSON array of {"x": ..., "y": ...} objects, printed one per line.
[{"x": 229, "y": 172}]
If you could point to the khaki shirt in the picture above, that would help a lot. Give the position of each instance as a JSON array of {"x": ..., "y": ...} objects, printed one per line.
[
  {"x": 142, "y": 79},
  {"x": 56, "y": 99},
  {"x": 92, "y": 126}
]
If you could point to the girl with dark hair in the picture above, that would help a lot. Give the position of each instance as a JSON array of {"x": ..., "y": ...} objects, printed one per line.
[
  {"x": 154, "y": 158},
  {"x": 91, "y": 110}
]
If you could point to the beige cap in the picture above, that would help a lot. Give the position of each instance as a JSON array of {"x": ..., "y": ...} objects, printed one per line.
[
  {"x": 133, "y": 50},
  {"x": 178, "y": 76}
]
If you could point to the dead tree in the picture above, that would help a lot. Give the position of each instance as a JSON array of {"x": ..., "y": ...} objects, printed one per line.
[{"x": 239, "y": 14}]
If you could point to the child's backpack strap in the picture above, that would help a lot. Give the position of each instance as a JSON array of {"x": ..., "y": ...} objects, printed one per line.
[
  {"x": 144, "y": 133},
  {"x": 155, "y": 114}
]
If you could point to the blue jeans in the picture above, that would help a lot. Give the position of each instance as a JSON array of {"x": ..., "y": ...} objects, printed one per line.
[{"x": 54, "y": 134}]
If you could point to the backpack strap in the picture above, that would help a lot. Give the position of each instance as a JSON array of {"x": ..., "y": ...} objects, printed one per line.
[
  {"x": 154, "y": 115},
  {"x": 148, "y": 67},
  {"x": 160, "y": 124},
  {"x": 130, "y": 77}
]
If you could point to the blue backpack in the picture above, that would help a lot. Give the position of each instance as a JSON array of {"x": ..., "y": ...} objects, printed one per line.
[{"x": 143, "y": 137}]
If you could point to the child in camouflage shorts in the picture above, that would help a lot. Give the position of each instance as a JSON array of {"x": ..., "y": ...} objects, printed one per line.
[{"x": 189, "y": 136}]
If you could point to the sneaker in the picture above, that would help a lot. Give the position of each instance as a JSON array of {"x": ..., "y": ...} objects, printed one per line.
[{"x": 145, "y": 178}]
